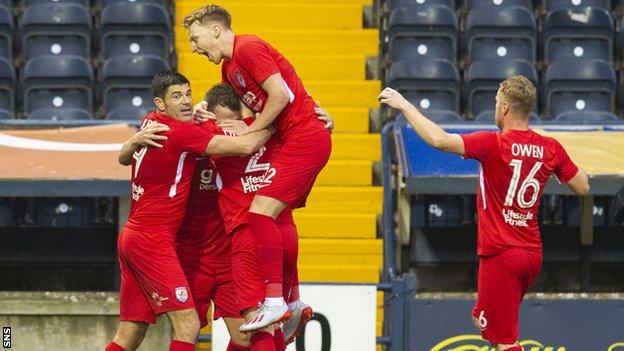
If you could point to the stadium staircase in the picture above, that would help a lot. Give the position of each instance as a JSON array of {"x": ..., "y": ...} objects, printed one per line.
[{"x": 327, "y": 44}]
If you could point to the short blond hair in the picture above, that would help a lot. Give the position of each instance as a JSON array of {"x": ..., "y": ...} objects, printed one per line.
[
  {"x": 206, "y": 14},
  {"x": 520, "y": 93}
]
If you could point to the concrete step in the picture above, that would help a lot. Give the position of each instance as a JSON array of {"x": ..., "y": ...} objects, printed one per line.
[
  {"x": 343, "y": 199},
  {"x": 340, "y": 251},
  {"x": 339, "y": 274},
  {"x": 356, "y": 147},
  {"x": 349, "y": 119},
  {"x": 336, "y": 225},
  {"x": 346, "y": 173}
]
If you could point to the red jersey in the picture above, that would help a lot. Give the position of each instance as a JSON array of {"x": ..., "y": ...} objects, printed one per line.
[
  {"x": 515, "y": 166},
  {"x": 161, "y": 177},
  {"x": 254, "y": 60},
  {"x": 202, "y": 230},
  {"x": 240, "y": 177}
]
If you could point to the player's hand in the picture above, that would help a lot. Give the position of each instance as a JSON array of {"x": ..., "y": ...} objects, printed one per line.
[
  {"x": 393, "y": 99},
  {"x": 201, "y": 113},
  {"x": 149, "y": 135},
  {"x": 324, "y": 116},
  {"x": 235, "y": 126}
]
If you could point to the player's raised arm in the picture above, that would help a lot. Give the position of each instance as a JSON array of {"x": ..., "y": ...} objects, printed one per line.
[
  {"x": 277, "y": 99},
  {"x": 238, "y": 146},
  {"x": 148, "y": 136},
  {"x": 429, "y": 131},
  {"x": 579, "y": 184}
]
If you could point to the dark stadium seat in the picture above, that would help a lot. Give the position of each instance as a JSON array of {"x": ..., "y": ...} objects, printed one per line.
[
  {"x": 578, "y": 85},
  {"x": 423, "y": 31},
  {"x": 155, "y": 2},
  {"x": 395, "y": 4},
  {"x": 7, "y": 89},
  {"x": 6, "y": 212},
  {"x": 572, "y": 206},
  {"x": 126, "y": 81},
  {"x": 84, "y": 3},
  {"x": 60, "y": 114},
  {"x": 447, "y": 117},
  {"x": 63, "y": 212},
  {"x": 439, "y": 211},
  {"x": 587, "y": 117},
  {"x": 487, "y": 117},
  {"x": 68, "y": 85},
  {"x": 6, "y": 32},
  {"x": 578, "y": 33},
  {"x": 55, "y": 29},
  {"x": 135, "y": 29},
  {"x": 550, "y": 5},
  {"x": 508, "y": 32},
  {"x": 128, "y": 113},
  {"x": 483, "y": 77},
  {"x": 471, "y": 4},
  {"x": 430, "y": 84}
]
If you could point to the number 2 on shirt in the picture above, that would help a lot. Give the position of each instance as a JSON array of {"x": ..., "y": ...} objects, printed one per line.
[{"x": 529, "y": 182}]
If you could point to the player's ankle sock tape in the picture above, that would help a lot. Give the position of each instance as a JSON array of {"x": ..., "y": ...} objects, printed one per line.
[
  {"x": 177, "y": 345},
  {"x": 278, "y": 340},
  {"x": 270, "y": 250},
  {"x": 262, "y": 341},
  {"x": 236, "y": 347},
  {"x": 113, "y": 346}
]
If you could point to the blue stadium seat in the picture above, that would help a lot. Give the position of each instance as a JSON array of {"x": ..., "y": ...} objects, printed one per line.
[
  {"x": 550, "y": 5},
  {"x": 6, "y": 32},
  {"x": 587, "y": 117},
  {"x": 572, "y": 206},
  {"x": 487, "y": 117},
  {"x": 63, "y": 212},
  {"x": 423, "y": 31},
  {"x": 6, "y": 212},
  {"x": 508, "y": 32},
  {"x": 126, "y": 82},
  {"x": 482, "y": 80},
  {"x": 395, "y": 4},
  {"x": 55, "y": 29},
  {"x": 444, "y": 211},
  {"x": 579, "y": 85},
  {"x": 135, "y": 29},
  {"x": 60, "y": 114},
  {"x": 430, "y": 84},
  {"x": 578, "y": 33},
  {"x": 155, "y": 2},
  {"x": 471, "y": 4},
  {"x": 444, "y": 117},
  {"x": 68, "y": 85},
  {"x": 84, "y": 3},
  {"x": 128, "y": 113},
  {"x": 7, "y": 89}
]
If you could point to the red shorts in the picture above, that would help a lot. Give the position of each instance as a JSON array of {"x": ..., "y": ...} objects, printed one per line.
[
  {"x": 210, "y": 281},
  {"x": 503, "y": 280},
  {"x": 295, "y": 168},
  {"x": 152, "y": 280},
  {"x": 248, "y": 285}
]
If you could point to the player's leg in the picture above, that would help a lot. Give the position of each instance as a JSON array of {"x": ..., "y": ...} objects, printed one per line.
[
  {"x": 129, "y": 336},
  {"x": 185, "y": 325}
]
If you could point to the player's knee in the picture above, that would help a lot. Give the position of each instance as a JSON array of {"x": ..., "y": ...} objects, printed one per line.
[
  {"x": 240, "y": 338},
  {"x": 130, "y": 334},
  {"x": 185, "y": 324}
]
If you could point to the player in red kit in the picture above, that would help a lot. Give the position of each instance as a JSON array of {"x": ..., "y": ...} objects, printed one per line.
[
  {"x": 268, "y": 84},
  {"x": 515, "y": 165},
  {"x": 152, "y": 280}
]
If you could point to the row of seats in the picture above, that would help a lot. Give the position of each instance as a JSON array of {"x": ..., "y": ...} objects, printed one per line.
[
  {"x": 57, "y": 212},
  {"x": 542, "y": 6},
  {"x": 494, "y": 31},
  {"x": 67, "y": 92},
  {"x": 572, "y": 85},
  {"x": 54, "y": 28}
]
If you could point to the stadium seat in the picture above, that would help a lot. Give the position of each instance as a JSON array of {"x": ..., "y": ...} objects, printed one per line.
[
  {"x": 550, "y": 5},
  {"x": 6, "y": 212},
  {"x": 430, "y": 84},
  {"x": 84, "y": 3},
  {"x": 508, "y": 32},
  {"x": 487, "y": 117},
  {"x": 471, "y": 4},
  {"x": 155, "y": 2},
  {"x": 126, "y": 82},
  {"x": 6, "y": 32},
  {"x": 587, "y": 117},
  {"x": 572, "y": 206},
  {"x": 128, "y": 113},
  {"x": 422, "y": 31},
  {"x": 395, "y": 4},
  {"x": 7, "y": 89},
  {"x": 578, "y": 33},
  {"x": 443, "y": 117},
  {"x": 135, "y": 29},
  {"x": 60, "y": 114},
  {"x": 483, "y": 77},
  {"x": 578, "y": 85},
  {"x": 68, "y": 85},
  {"x": 55, "y": 29},
  {"x": 63, "y": 212}
]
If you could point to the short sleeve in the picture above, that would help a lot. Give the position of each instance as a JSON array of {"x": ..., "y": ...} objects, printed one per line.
[
  {"x": 479, "y": 144},
  {"x": 193, "y": 139},
  {"x": 254, "y": 57},
  {"x": 565, "y": 169}
]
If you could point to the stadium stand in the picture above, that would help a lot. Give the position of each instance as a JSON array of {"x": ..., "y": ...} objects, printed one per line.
[
  {"x": 550, "y": 5},
  {"x": 7, "y": 89},
  {"x": 471, "y": 4},
  {"x": 6, "y": 32}
]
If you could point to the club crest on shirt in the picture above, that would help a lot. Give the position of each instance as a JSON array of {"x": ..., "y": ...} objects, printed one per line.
[
  {"x": 241, "y": 80},
  {"x": 181, "y": 294}
]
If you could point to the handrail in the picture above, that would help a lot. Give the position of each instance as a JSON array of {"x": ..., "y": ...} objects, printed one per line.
[{"x": 389, "y": 268}]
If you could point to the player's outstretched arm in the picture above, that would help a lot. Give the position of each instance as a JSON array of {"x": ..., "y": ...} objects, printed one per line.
[
  {"x": 240, "y": 145},
  {"x": 429, "y": 131},
  {"x": 579, "y": 184},
  {"x": 148, "y": 136},
  {"x": 277, "y": 99}
]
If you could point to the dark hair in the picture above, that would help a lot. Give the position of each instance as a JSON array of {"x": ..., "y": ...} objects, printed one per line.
[
  {"x": 163, "y": 80},
  {"x": 208, "y": 13},
  {"x": 224, "y": 95}
]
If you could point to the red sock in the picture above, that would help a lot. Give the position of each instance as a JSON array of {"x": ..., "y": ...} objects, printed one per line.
[
  {"x": 177, "y": 345},
  {"x": 262, "y": 341},
  {"x": 269, "y": 244},
  {"x": 278, "y": 340},
  {"x": 236, "y": 347},
  {"x": 290, "y": 277},
  {"x": 113, "y": 346}
]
